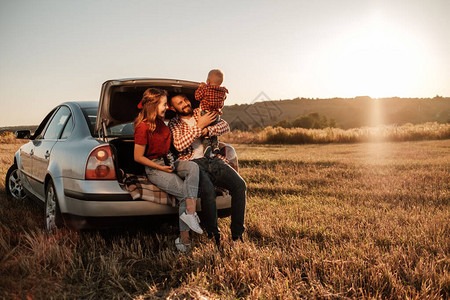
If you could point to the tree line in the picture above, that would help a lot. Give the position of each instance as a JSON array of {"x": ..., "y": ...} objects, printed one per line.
[{"x": 310, "y": 121}]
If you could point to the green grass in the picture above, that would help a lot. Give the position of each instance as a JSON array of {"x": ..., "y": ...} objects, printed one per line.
[{"x": 329, "y": 221}]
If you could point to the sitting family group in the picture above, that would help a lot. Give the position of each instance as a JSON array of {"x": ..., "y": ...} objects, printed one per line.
[{"x": 199, "y": 167}]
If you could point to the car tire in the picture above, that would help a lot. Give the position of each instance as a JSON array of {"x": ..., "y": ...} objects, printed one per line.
[
  {"x": 13, "y": 185},
  {"x": 53, "y": 217}
]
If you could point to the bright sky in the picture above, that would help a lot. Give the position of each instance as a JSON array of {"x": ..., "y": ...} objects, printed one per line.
[{"x": 56, "y": 51}]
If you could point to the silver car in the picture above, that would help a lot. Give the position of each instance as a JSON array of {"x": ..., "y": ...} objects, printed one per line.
[{"x": 78, "y": 159}]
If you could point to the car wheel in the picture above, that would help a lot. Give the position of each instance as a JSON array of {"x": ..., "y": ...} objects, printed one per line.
[
  {"x": 13, "y": 185},
  {"x": 53, "y": 217}
]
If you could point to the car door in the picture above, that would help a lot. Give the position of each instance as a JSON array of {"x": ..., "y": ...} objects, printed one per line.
[
  {"x": 43, "y": 147},
  {"x": 26, "y": 153}
]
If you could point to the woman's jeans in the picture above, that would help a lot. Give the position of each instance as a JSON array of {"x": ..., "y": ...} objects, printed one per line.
[{"x": 182, "y": 183}]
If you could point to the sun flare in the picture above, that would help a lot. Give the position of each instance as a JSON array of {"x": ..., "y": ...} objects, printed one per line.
[{"x": 378, "y": 60}]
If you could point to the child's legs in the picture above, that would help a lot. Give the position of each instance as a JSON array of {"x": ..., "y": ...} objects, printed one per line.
[
  {"x": 206, "y": 141},
  {"x": 214, "y": 141}
]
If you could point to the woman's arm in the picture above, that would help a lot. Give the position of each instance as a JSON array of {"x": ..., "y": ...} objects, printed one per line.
[{"x": 139, "y": 157}]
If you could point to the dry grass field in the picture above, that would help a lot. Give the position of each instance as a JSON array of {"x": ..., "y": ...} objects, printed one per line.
[
  {"x": 368, "y": 220},
  {"x": 296, "y": 136}
]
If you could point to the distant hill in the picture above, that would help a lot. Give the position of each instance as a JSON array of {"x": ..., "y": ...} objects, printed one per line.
[{"x": 348, "y": 113}]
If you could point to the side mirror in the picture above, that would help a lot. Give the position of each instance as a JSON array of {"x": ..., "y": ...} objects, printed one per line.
[{"x": 23, "y": 134}]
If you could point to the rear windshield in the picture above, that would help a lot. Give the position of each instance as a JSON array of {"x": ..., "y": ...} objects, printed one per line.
[{"x": 122, "y": 130}]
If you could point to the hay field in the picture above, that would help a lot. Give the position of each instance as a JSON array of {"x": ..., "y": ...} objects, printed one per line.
[
  {"x": 329, "y": 221},
  {"x": 298, "y": 136}
]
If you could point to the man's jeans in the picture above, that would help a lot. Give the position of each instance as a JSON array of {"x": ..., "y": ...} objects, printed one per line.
[{"x": 214, "y": 172}]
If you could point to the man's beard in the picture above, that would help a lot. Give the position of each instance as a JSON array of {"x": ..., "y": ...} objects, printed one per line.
[{"x": 187, "y": 111}]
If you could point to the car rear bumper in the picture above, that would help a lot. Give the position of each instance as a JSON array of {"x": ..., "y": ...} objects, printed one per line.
[
  {"x": 90, "y": 207},
  {"x": 107, "y": 199}
]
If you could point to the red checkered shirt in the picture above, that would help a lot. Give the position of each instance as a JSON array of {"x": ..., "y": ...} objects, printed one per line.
[
  {"x": 211, "y": 97},
  {"x": 183, "y": 136}
]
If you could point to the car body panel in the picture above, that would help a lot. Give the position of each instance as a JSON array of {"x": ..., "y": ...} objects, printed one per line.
[
  {"x": 40, "y": 164},
  {"x": 24, "y": 161}
]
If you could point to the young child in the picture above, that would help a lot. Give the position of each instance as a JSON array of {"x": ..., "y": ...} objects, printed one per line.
[{"x": 212, "y": 97}]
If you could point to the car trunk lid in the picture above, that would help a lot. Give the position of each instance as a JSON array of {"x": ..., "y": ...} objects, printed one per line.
[{"x": 119, "y": 98}]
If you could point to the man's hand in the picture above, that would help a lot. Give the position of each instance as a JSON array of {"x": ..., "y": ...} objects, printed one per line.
[
  {"x": 206, "y": 119},
  {"x": 202, "y": 85}
]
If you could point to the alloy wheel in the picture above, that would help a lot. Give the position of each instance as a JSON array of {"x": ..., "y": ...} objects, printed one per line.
[{"x": 15, "y": 185}]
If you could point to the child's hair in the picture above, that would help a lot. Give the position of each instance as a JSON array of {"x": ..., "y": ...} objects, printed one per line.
[
  {"x": 215, "y": 77},
  {"x": 148, "y": 113}
]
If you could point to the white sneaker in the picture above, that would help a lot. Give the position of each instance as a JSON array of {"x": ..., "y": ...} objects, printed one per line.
[
  {"x": 183, "y": 248},
  {"x": 192, "y": 221}
]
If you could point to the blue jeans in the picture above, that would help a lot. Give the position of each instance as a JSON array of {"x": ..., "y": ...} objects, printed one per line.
[
  {"x": 182, "y": 183},
  {"x": 214, "y": 172},
  {"x": 212, "y": 141}
]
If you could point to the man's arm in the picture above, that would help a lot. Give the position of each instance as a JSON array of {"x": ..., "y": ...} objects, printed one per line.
[
  {"x": 220, "y": 128},
  {"x": 183, "y": 136}
]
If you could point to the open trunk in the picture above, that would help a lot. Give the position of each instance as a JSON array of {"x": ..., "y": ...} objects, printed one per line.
[{"x": 119, "y": 99}]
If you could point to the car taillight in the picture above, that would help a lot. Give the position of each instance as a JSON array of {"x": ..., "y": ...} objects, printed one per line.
[{"x": 100, "y": 164}]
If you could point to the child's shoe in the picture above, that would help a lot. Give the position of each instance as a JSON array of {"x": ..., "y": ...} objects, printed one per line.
[
  {"x": 216, "y": 150},
  {"x": 207, "y": 152}
]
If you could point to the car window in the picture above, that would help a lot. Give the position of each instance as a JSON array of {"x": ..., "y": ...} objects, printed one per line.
[
  {"x": 67, "y": 129},
  {"x": 90, "y": 114},
  {"x": 122, "y": 130},
  {"x": 57, "y": 123},
  {"x": 38, "y": 133}
]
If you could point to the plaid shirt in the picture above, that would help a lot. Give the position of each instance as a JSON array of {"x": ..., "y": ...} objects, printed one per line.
[
  {"x": 211, "y": 97},
  {"x": 183, "y": 136}
]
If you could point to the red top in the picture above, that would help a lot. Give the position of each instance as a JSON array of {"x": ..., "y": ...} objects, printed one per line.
[
  {"x": 158, "y": 142},
  {"x": 211, "y": 97}
]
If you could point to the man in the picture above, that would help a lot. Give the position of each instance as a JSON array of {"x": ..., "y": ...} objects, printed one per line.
[{"x": 187, "y": 128}]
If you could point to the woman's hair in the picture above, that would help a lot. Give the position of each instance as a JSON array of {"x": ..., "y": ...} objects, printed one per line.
[{"x": 149, "y": 111}]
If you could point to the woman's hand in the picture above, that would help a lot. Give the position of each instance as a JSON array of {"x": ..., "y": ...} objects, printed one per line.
[
  {"x": 140, "y": 158},
  {"x": 167, "y": 169},
  {"x": 206, "y": 119}
]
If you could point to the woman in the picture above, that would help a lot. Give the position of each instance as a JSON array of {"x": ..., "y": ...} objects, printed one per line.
[{"x": 152, "y": 142}]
